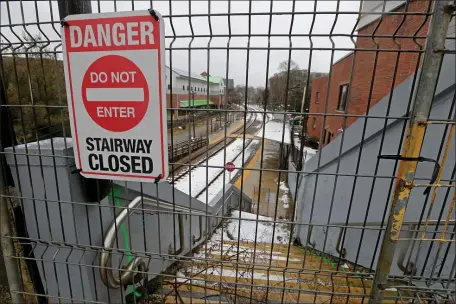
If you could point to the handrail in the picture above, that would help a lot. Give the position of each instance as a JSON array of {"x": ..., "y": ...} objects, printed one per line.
[
  {"x": 309, "y": 233},
  {"x": 129, "y": 273},
  {"x": 342, "y": 251},
  {"x": 180, "y": 221},
  {"x": 409, "y": 268},
  {"x": 400, "y": 261},
  {"x": 369, "y": 224},
  {"x": 196, "y": 240}
]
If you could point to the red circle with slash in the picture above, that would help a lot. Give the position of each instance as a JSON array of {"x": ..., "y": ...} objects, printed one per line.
[{"x": 115, "y": 93}]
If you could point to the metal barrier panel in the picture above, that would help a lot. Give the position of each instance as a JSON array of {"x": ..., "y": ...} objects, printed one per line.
[{"x": 312, "y": 159}]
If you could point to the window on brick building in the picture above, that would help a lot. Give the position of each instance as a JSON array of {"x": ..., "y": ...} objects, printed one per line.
[
  {"x": 317, "y": 97},
  {"x": 183, "y": 88},
  {"x": 329, "y": 137},
  {"x": 187, "y": 88},
  {"x": 314, "y": 122},
  {"x": 343, "y": 96}
]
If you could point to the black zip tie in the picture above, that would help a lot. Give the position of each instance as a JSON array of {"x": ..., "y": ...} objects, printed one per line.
[
  {"x": 63, "y": 22},
  {"x": 418, "y": 159},
  {"x": 153, "y": 14},
  {"x": 158, "y": 178},
  {"x": 76, "y": 171}
]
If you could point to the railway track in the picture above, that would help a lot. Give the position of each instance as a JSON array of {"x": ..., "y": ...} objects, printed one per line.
[
  {"x": 201, "y": 192},
  {"x": 218, "y": 147},
  {"x": 233, "y": 158}
]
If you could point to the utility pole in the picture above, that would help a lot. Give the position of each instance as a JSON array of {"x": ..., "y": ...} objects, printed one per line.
[{"x": 303, "y": 100}]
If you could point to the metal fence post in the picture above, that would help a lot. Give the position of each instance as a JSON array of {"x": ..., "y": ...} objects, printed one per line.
[
  {"x": 73, "y": 7},
  {"x": 7, "y": 246},
  {"x": 11, "y": 264},
  {"x": 424, "y": 96}
]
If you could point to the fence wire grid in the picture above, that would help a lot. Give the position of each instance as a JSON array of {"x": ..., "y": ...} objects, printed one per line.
[{"x": 311, "y": 159}]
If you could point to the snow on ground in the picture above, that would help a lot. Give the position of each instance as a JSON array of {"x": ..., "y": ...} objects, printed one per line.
[
  {"x": 246, "y": 232},
  {"x": 241, "y": 273},
  {"x": 307, "y": 153},
  {"x": 182, "y": 277},
  {"x": 261, "y": 252},
  {"x": 217, "y": 184},
  {"x": 284, "y": 197},
  {"x": 274, "y": 131},
  {"x": 197, "y": 179},
  {"x": 46, "y": 143},
  {"x": 260, "y": 116}
]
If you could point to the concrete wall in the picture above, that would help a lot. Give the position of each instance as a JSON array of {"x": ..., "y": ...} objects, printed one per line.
[{"x": 324, "y": 199}]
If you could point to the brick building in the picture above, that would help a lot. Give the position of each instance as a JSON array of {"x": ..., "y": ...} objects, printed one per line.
[{"x": 366, "y": 88}]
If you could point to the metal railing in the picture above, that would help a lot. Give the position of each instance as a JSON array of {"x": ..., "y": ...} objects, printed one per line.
[
  {"x": 129, "y": 274},
  {"x": 176, "y": 152}
]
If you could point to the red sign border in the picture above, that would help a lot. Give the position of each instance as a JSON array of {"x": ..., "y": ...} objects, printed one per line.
[{"x": 161, "y": 109}]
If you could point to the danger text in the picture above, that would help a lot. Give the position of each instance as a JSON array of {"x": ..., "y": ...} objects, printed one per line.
[{"x": 112, "y": 34}]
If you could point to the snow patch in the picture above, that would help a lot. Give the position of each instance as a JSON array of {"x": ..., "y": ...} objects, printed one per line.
[
  {"x": 217, "y": 185},
  {"x": 285, "y": 193},
  {"x": 260, "y": 115},
  {"x": 196, "y": 181},
  {"x": 247, "y": 255},
  {"x": 245, "y": 229},
  {"x": 274, "y": 130},
  {"x": 307, "y": 153},
  {"x": 48, "y": 143},
  {"x": 241, "y": 273}
]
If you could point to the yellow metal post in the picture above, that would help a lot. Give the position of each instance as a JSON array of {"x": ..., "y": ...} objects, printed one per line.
[{"x": 424, "y": 96}]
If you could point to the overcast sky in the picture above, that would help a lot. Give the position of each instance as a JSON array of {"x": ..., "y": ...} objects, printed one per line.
[{"x": 237, "y": 67}]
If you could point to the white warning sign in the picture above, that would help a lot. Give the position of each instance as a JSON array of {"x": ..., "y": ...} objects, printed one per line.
[{"x": 115, "y": 79}]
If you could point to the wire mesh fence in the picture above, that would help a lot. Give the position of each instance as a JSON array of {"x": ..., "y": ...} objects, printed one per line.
[{"x": 323, "y": 172}]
